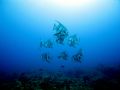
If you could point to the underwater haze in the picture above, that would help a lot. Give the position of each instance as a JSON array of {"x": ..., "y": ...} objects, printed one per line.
[{"x": 25, "y": 23}]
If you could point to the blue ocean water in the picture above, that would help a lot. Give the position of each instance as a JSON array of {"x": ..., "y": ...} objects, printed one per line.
[{"x": 23, "y": 23}]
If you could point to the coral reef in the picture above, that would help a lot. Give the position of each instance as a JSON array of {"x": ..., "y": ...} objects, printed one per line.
[{"x": 46, "y": 80}]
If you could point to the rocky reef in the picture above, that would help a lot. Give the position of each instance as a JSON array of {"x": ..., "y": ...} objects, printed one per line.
[{"x": 98, "y": 79}]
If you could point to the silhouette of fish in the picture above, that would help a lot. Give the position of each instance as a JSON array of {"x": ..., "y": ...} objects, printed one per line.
[
  {"x": 78, "y": 56},
  {"x": 46, "y": 57},
  {"x": 73, "y": 40},
  {"x": 63, "y": 55},
  {"x": 46, "y": 44},
  {"x": 60, "y": 32}
]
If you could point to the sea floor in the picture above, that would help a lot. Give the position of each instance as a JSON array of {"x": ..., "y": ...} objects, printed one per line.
[{"x": 101, "y": 78}]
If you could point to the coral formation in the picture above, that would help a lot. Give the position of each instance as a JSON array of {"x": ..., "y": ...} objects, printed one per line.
[{"x": 46, "y": 80}]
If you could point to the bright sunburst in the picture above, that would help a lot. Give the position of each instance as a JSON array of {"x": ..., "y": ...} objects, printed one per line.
[
  {"x": 72, "y": 3},
  {"x": 62, "y": 3}
]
